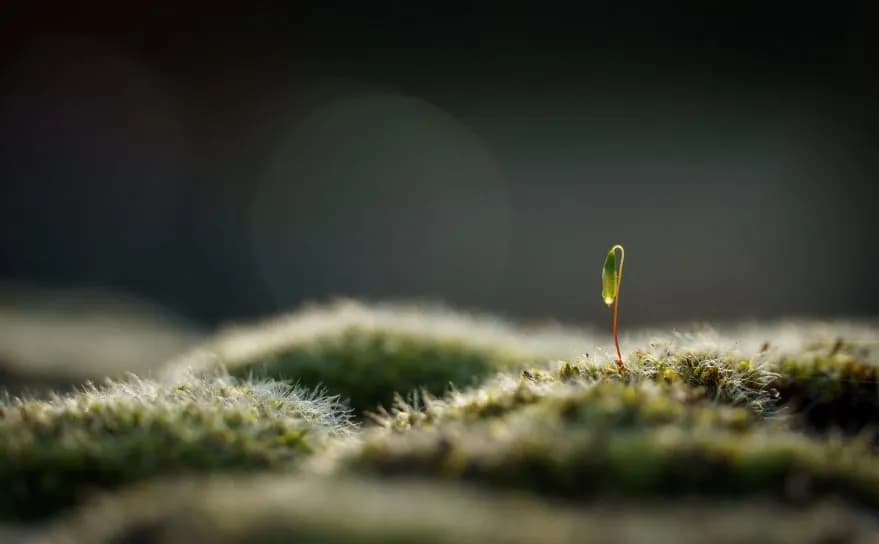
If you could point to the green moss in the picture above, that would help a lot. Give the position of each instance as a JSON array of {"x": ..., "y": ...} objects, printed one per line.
[
  {"x": 54, "y": 451},
  {"x": 831, "y": 391},
  {"x": 724, "y": 377},
  {"x": 687, "y": 418},
  {"x": 368, "y": 353},
  {"x": 828, "y": 387},
  {"x": 368, "y": 367},
  {"x": 673, "y": 425},
  {"x": 820, "y": 374},
  {"x": 607, "y": 457},
  {"x": 571, "y": 395},
  {"x": 273, "y": 510}
]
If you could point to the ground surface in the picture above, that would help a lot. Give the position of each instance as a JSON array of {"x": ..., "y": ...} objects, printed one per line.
[{"x": 351, "y": 422}]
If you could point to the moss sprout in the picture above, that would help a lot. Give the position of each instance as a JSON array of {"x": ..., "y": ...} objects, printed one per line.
[{"x": 611, "y": 280}]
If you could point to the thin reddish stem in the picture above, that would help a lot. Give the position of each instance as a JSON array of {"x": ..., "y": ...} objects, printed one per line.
[{"x": 616, "y": 310}]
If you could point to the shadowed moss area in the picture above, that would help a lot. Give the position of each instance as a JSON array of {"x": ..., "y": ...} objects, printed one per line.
[
  {"x": 367, "y": 353},
  {"x": 588, "y": 458},
  {"x": 261, "y": 511},
  {"x": 53, "y": 452},
  {"x": 834, "y": 386}
]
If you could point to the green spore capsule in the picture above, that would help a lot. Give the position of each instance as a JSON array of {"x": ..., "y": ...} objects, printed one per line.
[{"x": 609, "y": 277}]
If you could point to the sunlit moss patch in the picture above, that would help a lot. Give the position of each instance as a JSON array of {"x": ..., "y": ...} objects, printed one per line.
[
  {"x": 367, "y": 353},
  {"x": 55, "y": 451}
]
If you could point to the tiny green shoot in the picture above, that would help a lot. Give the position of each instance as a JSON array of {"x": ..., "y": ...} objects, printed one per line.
[{"x": 611, "y": 279}]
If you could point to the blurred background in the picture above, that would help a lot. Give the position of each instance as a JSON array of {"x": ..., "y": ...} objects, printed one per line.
[{"x": 228, "y": 162}]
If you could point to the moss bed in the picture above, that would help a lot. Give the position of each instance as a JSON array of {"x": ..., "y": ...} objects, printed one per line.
[{"x": 356, "y": 422}]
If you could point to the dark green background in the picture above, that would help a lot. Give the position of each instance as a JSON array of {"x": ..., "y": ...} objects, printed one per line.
[{"x": 230, "y": 161}]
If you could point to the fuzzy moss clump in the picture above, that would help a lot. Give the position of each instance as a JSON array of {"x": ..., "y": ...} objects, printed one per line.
[
  {"x": 367, "y": 353},
  {"x": 265, "y": 510},
  {"x": 678, "y": 378},
  {"x": 823, "y": 374},
  {"x": 571, "y": 394},
  {"x": 54, "y": 451}
]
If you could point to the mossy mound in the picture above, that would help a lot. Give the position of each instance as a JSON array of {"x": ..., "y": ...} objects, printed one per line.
[
  {"x": 680, "y": 424},
  {"x": 261, "y": 510},
  {"x": 824, "y": 375},
  {"x": 367, "y": 353},
  {"x": 593, "y": 403},
  {"x": 54, "y": 451},
  {"x": 834, "y": 386},
  {"x": 646, "y": 390},
  {"x": 635, "y": 457},
  {"x": 816, "y": 386}
]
